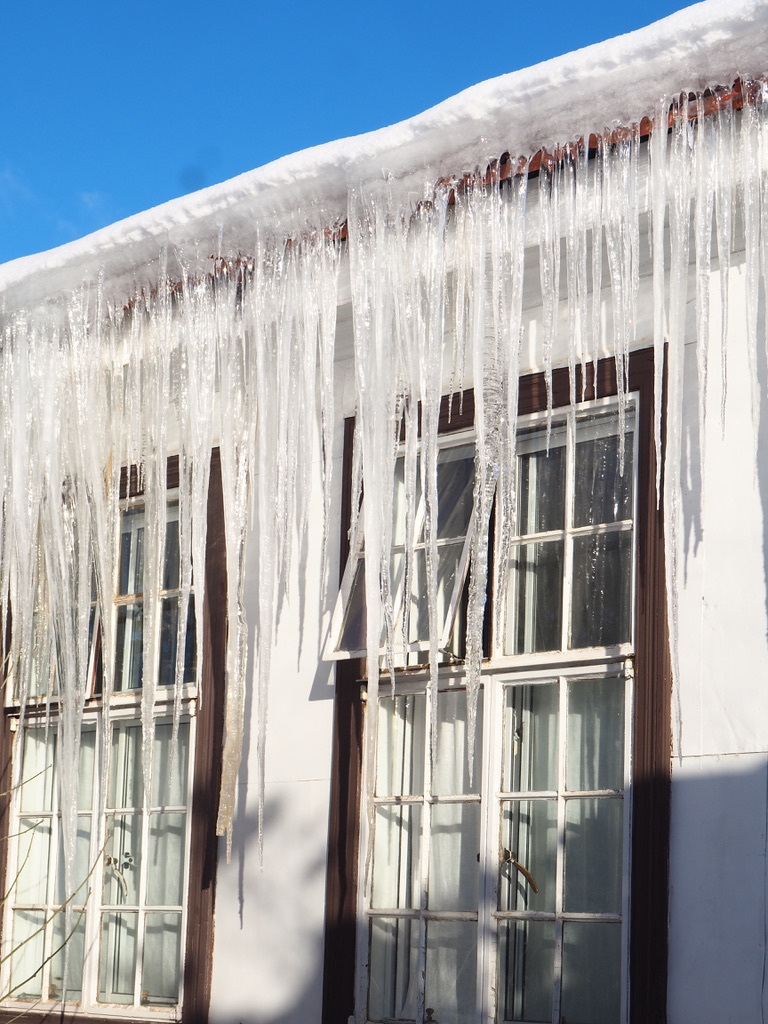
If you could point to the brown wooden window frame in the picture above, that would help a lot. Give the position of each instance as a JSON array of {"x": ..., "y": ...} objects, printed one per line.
[
  {"x": 651, "y": 744},
  {"x": 203, "y": 799}
]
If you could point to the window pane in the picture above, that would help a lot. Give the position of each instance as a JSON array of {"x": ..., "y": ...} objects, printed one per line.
[
  {"x": 169, "y": 786},
  {"x": 393, "y": 971},
  {"x": 591, "y": 985},
  {"x": 34, "y": 852},
  {"x": 536, "y": 597},
  {"x": 122, "y": 859},
  {"x": 448, "y": 566},
  {"x": 128, "y": 647},
  {"x": 162, "y": 958},
  {"x": 451, "y": 769},
  {"x": 126, "y": 786},
  {"x": 27, "y": 954},
  {"x": 37, "y": 769},
  {"x": 453, "y": 856},
  {"x": 451, "y": 971},
  {"x": 595, "y": 741},
  {"x": 526, "y": 970},
  {"x": 530, "y": 738},
  {"x": 602, "y": 493},
  {"x": 72, "y": 944},
  {"x": 353, "y": 637},
  {"x": 400, "y": 746},
  {"x": 593, "y": 855},
  {"x": 132, "y": 552},
  {"x": 528, "y": 841},
  {"x": 87, "y": 765},
  {"x": 82, "y": 864},
  {"x": 541, "y": 481},
  {"x": 455, "y": 481},
  {"x": 165, "y": 862},
  {"x": 602, "y": 585},
  {"x": 169, "y": 638},
  {"x": 397, "y": 834},
  {"x": 171, "y": 567},
  {"x": 117, "y": 965}
]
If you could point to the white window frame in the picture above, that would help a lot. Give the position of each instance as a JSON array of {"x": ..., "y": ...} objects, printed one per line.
[
  {"x": 504, "y": 669},
  {"x": 124, "y": 707}
]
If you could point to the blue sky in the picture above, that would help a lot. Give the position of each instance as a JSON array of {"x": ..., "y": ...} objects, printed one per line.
[{"x": 108, "y": 109}]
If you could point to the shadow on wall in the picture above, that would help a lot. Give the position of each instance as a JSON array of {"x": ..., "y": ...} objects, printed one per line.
[{"x": 270, "y": 971}]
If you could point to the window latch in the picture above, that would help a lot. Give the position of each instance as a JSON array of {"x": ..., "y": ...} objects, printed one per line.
[{"x": 511, "y": 858}]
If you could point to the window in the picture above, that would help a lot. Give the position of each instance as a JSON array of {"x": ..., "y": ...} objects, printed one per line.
[
  {"x": 130, "y": 936},
  {"x": 521, "y": 895}
]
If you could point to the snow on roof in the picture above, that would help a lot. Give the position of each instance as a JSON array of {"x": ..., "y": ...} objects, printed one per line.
[{"x": 590, "y": 90}]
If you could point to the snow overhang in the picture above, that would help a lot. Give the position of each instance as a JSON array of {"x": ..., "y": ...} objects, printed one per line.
[{"x": 590, "y": 91}]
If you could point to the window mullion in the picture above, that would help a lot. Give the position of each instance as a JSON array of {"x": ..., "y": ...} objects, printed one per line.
[
  {"x": 570, "y": 472},
  {"x": 426, "y": 833},
  {"x": 560, "y": 876},
  {"x": 92, "y": 922},
  {"x": 487, "y": 923}
]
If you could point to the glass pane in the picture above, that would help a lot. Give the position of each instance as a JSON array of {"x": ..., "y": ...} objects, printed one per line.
[
  {"x": 535, "y": 598},
  {"x": 591, "y": 985},
  {"x": 171, "y": 567},
  {"x": 448, "y": 565},
  {"x": 601, "y": 614},
  {"x": 169, "y": 638},
  {"x": 528, "y": 855},
  {"x": 541, "y": 481},
  {"x": 593, "y": 855},
  {"x": 128, "y": 647},
  {"x": 74, "y": 941},
  {"x": 122, "y": 859},
  {"x": 393, "y": 969},
  {"x": 126, "y": 786},
  {"x": 397, "y": 833},
  {"x": 451, "y": 971},
  {"x": 602, "y": 493},
  {"x": 530, "y": 738},
  {"x": 169, "y": 781},
  {"x": 37, "y": 769},
  {"x": 400, "y": 746},
  {"x": 595, "y": 741},
  {"x": 526, "y": 970},
  {"x": 87, "y": 763},
  {"x": 451, "y": 770},
  {"x": 117, "y": 964},
  {"x": 82, "y": 863},
  {"x": 27, "y": 954},
  {"x": 132, "y": 552},
  {"x": 353, "y": 630},
  {"x": 455, "y": 482},
  {"x": 165, "y": 865},
  {"x": 453, "y": 856},
  {"x": 162, "y": 959},
  {"x": 34, "y": 851}
]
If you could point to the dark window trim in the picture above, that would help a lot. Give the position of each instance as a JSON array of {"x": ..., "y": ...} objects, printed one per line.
[
  {"x": 652, "y": 721},
  {"x": 204, "y": 844}
]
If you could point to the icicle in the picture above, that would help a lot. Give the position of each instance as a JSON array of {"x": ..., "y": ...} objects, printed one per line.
[
  {"x": 680, "y": 224},
  {"x": 725, "y": 155},
  {"x": 657, "y": 158},
  {"x": 704, "y": 180}
]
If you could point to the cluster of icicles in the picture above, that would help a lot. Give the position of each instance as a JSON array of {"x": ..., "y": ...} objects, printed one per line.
[{"x": 243, "y": 358}]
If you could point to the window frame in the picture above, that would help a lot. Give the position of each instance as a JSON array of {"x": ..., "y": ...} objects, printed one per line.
[
  {"x": 651, "y": 752},
  {"x": 205, "y": 773}
]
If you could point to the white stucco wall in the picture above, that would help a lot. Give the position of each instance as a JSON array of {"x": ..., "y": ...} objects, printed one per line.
[{"x": 720, "y": 769}]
